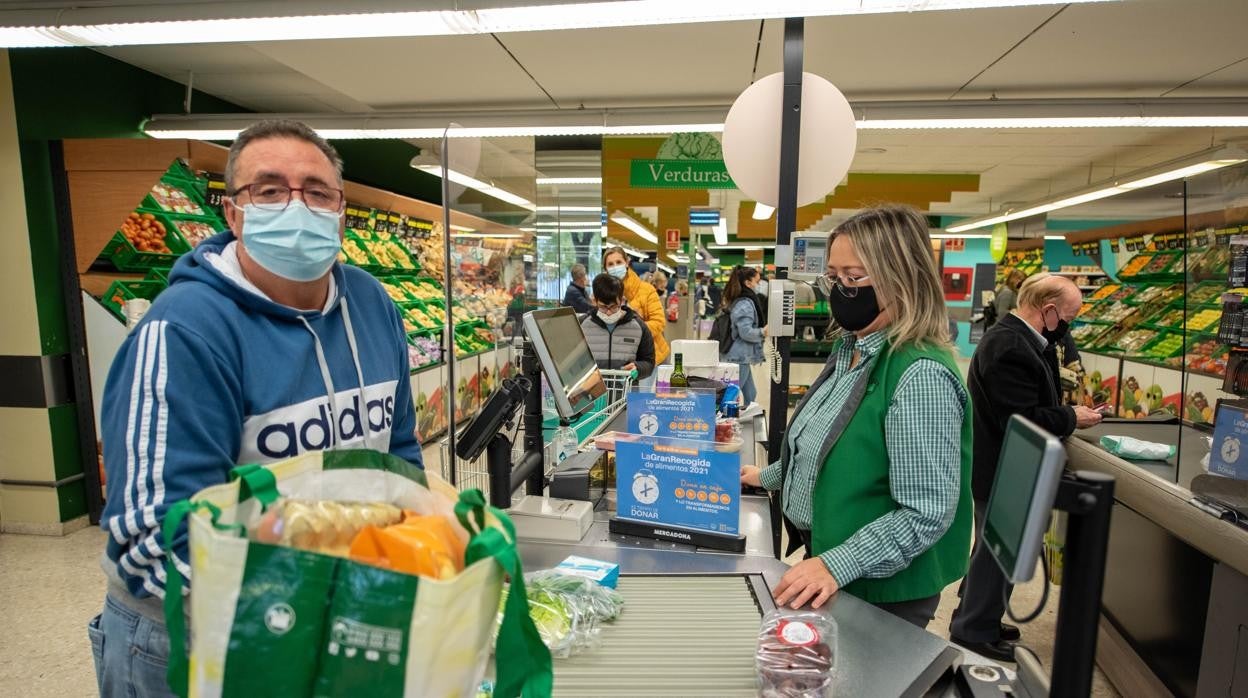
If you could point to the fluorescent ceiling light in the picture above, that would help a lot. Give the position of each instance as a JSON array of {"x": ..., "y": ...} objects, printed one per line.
[
  {"x": 496, "y": 236},
  {"x": 1054, "y": 237},
  {"x": 870, "y": 116},
  {"x": 604, "y": 232},
  {"x": 483, "y": 187},
  {"x": 85, "y": 27},
  {"x": 680, "y": 258},
  {"x": 462, "y": 229},
  {"x": 642, "y": 231},
  {"x": 1055, "y": 122},
  {"x": 739, "y": 247},
  {"x": 665, "y": 268},
  {"x": 569, "y": 180},
  {"x": 528, "y": 230},
  {"x": 762, "y": 211},
  {"x": 1205, "y": 161},
  {"x": 721, "y": 232},
  {"x": 569, "y": 209},
  {"x": 954, "y": 236},
  {"x": 583, "y": 222}
]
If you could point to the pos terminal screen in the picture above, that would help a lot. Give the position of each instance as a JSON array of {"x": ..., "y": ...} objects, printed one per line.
[
  {"x": 1028, "y": 471},
  {"x": 566, "y": 359}
]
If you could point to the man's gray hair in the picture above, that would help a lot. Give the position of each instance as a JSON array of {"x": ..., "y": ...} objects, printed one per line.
[
  {"x": 278, "y": 128},
  {"x": 579, "y": 271}
]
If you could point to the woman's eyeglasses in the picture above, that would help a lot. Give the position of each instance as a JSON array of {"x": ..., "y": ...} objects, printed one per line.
[{"x": 847, "y": 286}]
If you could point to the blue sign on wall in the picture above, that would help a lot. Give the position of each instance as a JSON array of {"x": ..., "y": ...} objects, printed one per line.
[
  {"x": 675, "y": 415},
  {"x": 679, "y": 483}
]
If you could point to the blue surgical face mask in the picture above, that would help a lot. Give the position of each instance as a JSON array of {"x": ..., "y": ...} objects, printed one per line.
[
  {"x": 619, "y": 271},
  {"x": 295, "y": 243}
]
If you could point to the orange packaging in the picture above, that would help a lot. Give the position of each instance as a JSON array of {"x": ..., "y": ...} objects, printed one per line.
[{"x": 422, "y": 545}]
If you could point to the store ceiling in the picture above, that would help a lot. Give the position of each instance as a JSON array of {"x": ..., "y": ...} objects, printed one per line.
[{"x": 1135, "y": 49}]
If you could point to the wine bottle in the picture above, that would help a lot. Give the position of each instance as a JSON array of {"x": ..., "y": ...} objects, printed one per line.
[{"x": 678, "y": 379}]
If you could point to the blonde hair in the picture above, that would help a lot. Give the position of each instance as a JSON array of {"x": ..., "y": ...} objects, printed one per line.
[
  {"x": 896, "y": 252},
  {"x": 1042, "y": 289}
]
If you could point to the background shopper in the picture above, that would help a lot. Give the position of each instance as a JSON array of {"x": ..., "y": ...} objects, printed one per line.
[
  {"x": 641, "y": 297},
  {"x": 577, "y": 295},
  {"x": 617, "y": 337},
  {"x": 748, "y": 326},
  {"x": 1013, "y": 371}
]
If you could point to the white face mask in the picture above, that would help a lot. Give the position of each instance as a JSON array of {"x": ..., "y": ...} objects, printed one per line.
[
  {"x": 612, "y": 318},
  {"x": 619, "y": 271}
]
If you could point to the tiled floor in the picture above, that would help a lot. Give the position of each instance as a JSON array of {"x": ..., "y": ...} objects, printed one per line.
[{"x": 51, "y": 587}]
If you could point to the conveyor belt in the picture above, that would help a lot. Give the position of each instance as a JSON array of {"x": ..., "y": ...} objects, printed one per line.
[{"x": 678, "y": 636}]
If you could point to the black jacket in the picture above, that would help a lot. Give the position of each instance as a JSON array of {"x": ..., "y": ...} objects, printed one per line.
[
  {"x": 1011, "y": 375},
  {"x": 577, "y": 298}
]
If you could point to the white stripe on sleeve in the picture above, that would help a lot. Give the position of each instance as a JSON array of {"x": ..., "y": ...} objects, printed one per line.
[
  {"x": 135, "y": 386},
  {"x": 145, "y": 425},
  {"x": 162, "y": 423}
]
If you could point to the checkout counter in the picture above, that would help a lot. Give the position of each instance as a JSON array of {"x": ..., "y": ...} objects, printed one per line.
[
  {"x": 692, "y": 615},
  {"x": 1175, "y": 602}
]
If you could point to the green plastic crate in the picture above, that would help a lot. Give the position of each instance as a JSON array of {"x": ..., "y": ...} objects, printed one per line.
[
  {"x": 123, "y": 254},
  {"x": 194, "y": 201},
  {"x": 121, "y": 291}
]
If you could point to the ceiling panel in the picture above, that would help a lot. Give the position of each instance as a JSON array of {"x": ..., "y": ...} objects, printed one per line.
[
  {"x": 920, "y": 55},
  {"x": 201, "y": 58},
  {"x": 676, "y": 64},
  {"x": 413, "y": 73},
  {"x": 1229, "y": 81},
  {"x": 1142, "y": 48}
]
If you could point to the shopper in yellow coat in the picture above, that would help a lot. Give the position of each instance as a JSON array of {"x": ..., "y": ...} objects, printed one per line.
[{"x": 642, "y": 298}]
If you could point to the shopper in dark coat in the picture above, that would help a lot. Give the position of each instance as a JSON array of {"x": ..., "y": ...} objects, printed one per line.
[
  {"x": 577, "y": 295},
  {"x": 617, "y": 336},
  {"x": 1013, "y": 371}
]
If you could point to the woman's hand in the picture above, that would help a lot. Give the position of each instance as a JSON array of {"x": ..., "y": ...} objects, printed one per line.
[
  {"x": 750, "y": 475},
  {"x": 630, "y": 366},
  {"x": 807, "y": 581}
]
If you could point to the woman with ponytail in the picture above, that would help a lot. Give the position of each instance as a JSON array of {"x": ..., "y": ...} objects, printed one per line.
[{"x": 748, "y": 330}]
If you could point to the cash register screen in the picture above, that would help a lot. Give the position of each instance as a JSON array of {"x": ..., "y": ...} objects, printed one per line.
[
  {"x": 566, "y": 360},
  {"x": 1028, "y": 471}
]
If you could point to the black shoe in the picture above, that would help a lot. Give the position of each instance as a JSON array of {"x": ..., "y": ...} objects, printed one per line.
[
  {"x": 1010, "y": 633},
  {"x": 1001, "y": 650}
]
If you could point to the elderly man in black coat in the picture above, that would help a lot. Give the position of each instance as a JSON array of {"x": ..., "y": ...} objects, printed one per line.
[{"x": 1014, "y": 371}]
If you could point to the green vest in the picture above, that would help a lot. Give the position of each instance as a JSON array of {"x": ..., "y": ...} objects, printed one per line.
[{"x": 852, "y": 488}]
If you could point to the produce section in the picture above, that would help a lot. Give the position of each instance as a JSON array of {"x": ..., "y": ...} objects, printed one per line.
[{"x": 1164, "y": 311}]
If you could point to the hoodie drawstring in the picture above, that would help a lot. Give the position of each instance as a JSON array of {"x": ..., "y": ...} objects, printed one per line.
[
  {"x": 325, "y": 377},
  {"x": 359, "y": 372}
]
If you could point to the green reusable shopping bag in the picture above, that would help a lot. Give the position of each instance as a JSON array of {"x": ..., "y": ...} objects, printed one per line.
[{"x": 272, "y": 620}]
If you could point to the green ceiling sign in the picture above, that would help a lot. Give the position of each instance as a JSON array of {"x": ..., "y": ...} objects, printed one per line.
[
  {"x": 679, "y": 174},
  {"x": 996, "y": 245}
]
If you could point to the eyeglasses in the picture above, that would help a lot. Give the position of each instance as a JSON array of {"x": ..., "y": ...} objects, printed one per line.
[
  {"x": 276, "y": 197},
  {"x": 847, "y": 285},
  {"x": 609, "y": 309}
]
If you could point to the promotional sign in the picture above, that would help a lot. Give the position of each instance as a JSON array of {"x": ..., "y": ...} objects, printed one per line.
[
  {"x": 679, "y": 483},
  {"x": 998, "y": 242},
  {"x": 678, "y": 415},
  {"x": 673, "y": 238},
  {"x": 1229, "y": 455}
]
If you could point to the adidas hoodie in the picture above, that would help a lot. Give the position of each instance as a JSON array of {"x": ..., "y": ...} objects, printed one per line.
[{"x": 217, "y": 375}]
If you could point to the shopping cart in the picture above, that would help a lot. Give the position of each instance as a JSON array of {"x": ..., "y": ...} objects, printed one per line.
[{"x": 475, "y": 473}]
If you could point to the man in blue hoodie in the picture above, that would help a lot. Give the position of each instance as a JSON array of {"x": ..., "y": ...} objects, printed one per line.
[{"x": 262, "y": 348}]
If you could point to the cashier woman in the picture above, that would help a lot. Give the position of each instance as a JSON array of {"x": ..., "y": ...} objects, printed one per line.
[{"x": 874, "y": 469}]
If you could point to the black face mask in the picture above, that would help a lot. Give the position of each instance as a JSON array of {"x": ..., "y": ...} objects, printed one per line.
[
  {"x": 1056, "y": 334},
  {"x": 854, "y": 314}
]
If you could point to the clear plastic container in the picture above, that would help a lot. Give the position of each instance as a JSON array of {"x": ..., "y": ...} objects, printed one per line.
[
  {"x": 564, "y": 444},
  {"x": 796, "y": 656}
]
